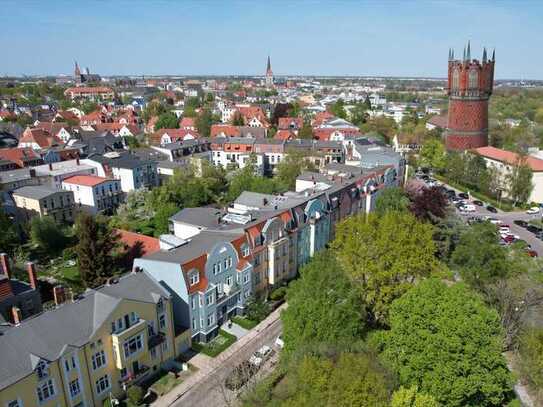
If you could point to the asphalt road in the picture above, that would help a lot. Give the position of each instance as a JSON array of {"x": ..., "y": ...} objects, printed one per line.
[{"x": 210, "y": 392}]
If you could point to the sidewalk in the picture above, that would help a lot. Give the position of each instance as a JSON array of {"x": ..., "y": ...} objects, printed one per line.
[{"x": 210, "y": 365}]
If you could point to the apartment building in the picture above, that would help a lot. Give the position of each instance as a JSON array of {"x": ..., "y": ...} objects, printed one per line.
[
  {"x": 43, "y": 200},
  {"x": 82, "y": 352},
  {"x": 258, "y": 243},
  {"x": 54, "y": 173},
  {"x": 94, "y": 194}
]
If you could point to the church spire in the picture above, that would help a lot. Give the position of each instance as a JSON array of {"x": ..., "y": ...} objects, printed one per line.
[
  {"x": 268, "y": 66},
  {"x": 468, "y": 53}
]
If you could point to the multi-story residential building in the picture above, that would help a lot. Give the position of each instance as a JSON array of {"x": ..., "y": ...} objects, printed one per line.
[
  {"x": 18, "y": 299},
  {"x": 236, "y": 152},
  {"x": 42, "y": 200},
  {"x": 91, "y": 93},
  {"x": 82, "y": 352},
  {"x": 21, "y": 157},
  {"x": 54, "y": 173},
  {"x": 94, "y": 194},
  {"x": 210, "y": 275},
  {"x": 10, "y": 180},
  {"x": 133, "y": 172}
]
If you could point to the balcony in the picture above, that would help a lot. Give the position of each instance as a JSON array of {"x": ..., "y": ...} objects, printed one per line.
[
  {"x": 142, "y": 372},
  {"x": 156, "y": 339},
  {"x": 132, "y": 329}
]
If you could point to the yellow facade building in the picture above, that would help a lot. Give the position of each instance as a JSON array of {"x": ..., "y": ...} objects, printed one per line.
[{"x": 83, "y": 352}]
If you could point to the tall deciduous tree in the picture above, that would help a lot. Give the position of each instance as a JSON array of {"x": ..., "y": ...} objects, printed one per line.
[
  {"x": 433, "y": 155},
  {"x": 306, "y": 132},
  {"x": 9, "y": 238},
  {"x": 519, "y": 181},
  {"x": 167, "y": 121},
  {"x": 48, "y": 235},
  {"x": 324, "y": 293},
  {"x": 447, "y": 342},
  {"x": 97, "y": 241},
  {"x": 411, "y": 397},
  {"x": 292, "y": 165},
  {"x": 392, "y": 199},
  {"x": 204, "y": 122},
  {"x": 384, "y": 256},
  {"x": 430, "y": 205},
  {"x": 338, "y": 109}
]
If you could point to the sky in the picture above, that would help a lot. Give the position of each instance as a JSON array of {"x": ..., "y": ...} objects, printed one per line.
[{"x": 303, "y": 37}]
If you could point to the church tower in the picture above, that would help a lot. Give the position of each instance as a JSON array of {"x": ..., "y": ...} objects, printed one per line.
[
  {"x": 77, "y": 73},
  {"x": 469, "y": 86},
  {"x": 269, "y": 75}
]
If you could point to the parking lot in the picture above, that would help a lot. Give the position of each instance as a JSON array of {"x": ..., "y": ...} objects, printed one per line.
[{"x": 506, "y": 218}]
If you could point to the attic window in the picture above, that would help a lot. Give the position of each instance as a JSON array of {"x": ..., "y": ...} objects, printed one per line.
[
  {"x": 194, "y": 277},
  {"x": 42, "y": 370}
]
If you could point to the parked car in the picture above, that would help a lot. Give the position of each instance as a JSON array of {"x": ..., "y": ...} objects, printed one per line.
[
  {"x": 531, "y": 253},
  {"x": 279, "y": 342},
  {"x": 534, "y": 229},
  {"x": 468, "y": 208},
  {"x": 463, "y": 195},
  {"x": 521, "y": 223},
  {"x": 504, "y": 229},
  {"x": 478, "y": 203},
  {"x": 494, "y": 221},
  {"x": 491, "y": 209},
  {"x": 533, "y": 210},
  {"x": 451, "y": 193}
]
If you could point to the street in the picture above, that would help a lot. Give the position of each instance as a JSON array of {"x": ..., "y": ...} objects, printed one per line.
[{"x": 206, "y": 387}]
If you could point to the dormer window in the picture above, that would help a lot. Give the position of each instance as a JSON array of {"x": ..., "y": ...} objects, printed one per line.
[
  {"x": 245, "y": 250},
  {"x": 42, "y": 370},
  {"x": 194, "y": 277}
]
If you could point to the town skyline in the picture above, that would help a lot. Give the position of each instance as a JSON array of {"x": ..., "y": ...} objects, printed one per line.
[{"x": 370, "y": 39}]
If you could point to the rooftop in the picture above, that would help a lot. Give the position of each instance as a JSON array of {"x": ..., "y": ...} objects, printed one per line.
[{"x": 36, "y": 191}]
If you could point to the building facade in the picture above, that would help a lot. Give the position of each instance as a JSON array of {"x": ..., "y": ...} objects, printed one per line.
[
  {"x": 94, "y": 194},
  {"x": 41, "y": 200}
]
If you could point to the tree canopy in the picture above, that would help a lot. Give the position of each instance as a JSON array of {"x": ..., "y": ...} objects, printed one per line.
[
  {"x": 448, "y": 343},
  {"x": 392, "y": 199},
  {"x": 384, "y": 256},
  {"x": 432, "y": 154},
  {"x": 429, "y": 205},
  {"x": 323, "y": 306},
  {"x": 167, "y": 120}
]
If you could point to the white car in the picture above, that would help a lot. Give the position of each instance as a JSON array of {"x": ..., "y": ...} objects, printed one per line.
[
  {"x": 263, "y": 351},
  {"x": 280, "y": 342},
  {"x": 255, "y": 360},
  {"x": 468, "y": 208},
  {"x": 504, "y": 229},
  {"x": 533, "y": 210}
]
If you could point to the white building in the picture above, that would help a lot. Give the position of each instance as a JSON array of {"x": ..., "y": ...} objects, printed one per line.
[
  {"x": 94, "y": 194},
  {"x": 55, "y": 173}
]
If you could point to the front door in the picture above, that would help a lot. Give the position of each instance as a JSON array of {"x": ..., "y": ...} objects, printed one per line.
[{"x": 135, "y": 367}]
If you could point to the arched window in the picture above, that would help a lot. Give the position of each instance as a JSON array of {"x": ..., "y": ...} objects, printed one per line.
[
  {"x": 456, "y": 79},
  {"x": 473, "y": 79}
]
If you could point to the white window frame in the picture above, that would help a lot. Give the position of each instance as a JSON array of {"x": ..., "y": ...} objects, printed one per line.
[
  {"x": 162, "y": 321},
  {"x": 17, "y": 400},
  {"x": 194, "y": 278},
  {"x": 138, "y": 341},
  {"x": 99, "y": 356},
  {"x": 76, "y": 387},
  {"x": 49, "y": 385},
  {"x": 98, "y": 384},
  {"x": 210, "y": 319},
  {"x": 245, "y": 251}
]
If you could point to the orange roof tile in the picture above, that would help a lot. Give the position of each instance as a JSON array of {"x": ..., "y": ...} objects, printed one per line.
[
  {"x": 85, "y": 180},
  {"x": 508, "y": 157},
  {"x": 148, "y": 244}
]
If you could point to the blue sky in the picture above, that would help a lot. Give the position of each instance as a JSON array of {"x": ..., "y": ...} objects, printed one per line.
[{"x": 400, "y": 38}]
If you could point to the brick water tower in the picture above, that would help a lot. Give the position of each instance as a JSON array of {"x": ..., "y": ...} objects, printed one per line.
[{"x": 469, "y": 87}]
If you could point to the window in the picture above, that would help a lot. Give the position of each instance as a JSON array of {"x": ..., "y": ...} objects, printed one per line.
[
  {"x": 193, "y": 301},
  {"x": 194, "y": 277},
  {"x": 245, "y": 251},
  {"x": 74, "y": 388},
  {"x": 124, "y": 371},
  {"x": 69, "y": 363},
  {"x": 225, "y": 264},
  {"x": 102, "y": 384},
  {"x": 45, "y": 390},
  {"x": 246, "y": 278},
  {"x": 201, "y": 301},
  {"x": 229, "y": 280},
  {"x": 229, "y": 261},
  {"x": 14, "y": 403},
  {"x": 247, "y": 294},
  {"x": 210, "y": 319},
  {"x": 456, "y": 79},
  {"x": 42, "y": 370},
  {"x": 98, "y": 360},
  {"x": 164, "y": 346},
  {"x": 162, "y": 321},
  {"x": 209, "y": 299},
  {"x": 193, "y": 324},
  {"x": 473, "y": 79},
  {"x": 153, "y": 353},
  {"x": 133, "y": 345},
  {"x": 134, "y": 317}
]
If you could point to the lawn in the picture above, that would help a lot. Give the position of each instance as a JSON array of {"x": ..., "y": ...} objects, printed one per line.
[
  {"x": 218, "y": 344},
  {"x": 244, "y": 322}
]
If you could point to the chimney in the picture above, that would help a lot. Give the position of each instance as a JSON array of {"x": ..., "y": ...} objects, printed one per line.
[
  {"x": 17, "y": 315},
  {"x": 32, "y": 275},
  {"x": 4, "y": 264},
  {"x": 50, "y": 166},
  {"x": 59, "y": 294},
  {"x": 77, "y": 160},
  {"x": 32, "y": 173}
]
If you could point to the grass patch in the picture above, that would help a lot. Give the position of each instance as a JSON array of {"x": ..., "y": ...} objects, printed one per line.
[
  {"x": 244, "y": 322},
  {"x": 218, "y": 344},
  {"x": 165, "y": 383}
]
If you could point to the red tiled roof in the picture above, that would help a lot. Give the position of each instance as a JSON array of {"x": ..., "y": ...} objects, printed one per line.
[
  {"x": 17, "y": 155},
  {"x": 321, "y": 118},
  {"x": 439, "y": 121},
  {"x": 508, "y": 157},
  {"x": 88, "y": 89},
  {"x": 199, "y": 264},
  {"x": 175, "y": 134},
  {"x": 187, "y": 122},
  {"x": 148, "y": 244},
  {"x": 39, "y": 136},
  {"x": 284, "y": 135},
  {"x": 227, "y": 129},
  {"x": 85, "y": 180},
  {"x": 286, "y": 122}
]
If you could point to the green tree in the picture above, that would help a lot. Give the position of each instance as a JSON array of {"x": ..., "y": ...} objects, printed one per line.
[
  {"x": 167, "y": 120},
  {"x": 257, "y": 309},
  {"x": 348, "y": 379},
  {"x": 204, "y": 122},
  {"x": 384, "y": 256},
  {"x": 306, "y": 132},
  {"x": 358, "y": 113},
  {"x": 429, "y": 205},
  {"x": 519, "y": 181},
  {"x": 48, "y": 235},
  {"x": 154, "y": 108},
  {"x": 9, "y": 238},
  {"x": 95, "y": 248},
  {"x": 326, "y": 294},
  {"x": 338, "y": 109},
  {"x": 392, "y": 199},
  {"x": 411, "y": 397},
  {"x": 237, "y": 119},
  {"x": 433, "y": 155},
  {"x": 89, "y": 107},
  {"x": 447, "y": 342},
  {"x": 479, "y": 257},
  {"x": 291, "y": 167}
]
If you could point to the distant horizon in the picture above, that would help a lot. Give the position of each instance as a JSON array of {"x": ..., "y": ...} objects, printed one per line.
[{"x": 310, "y": 38}]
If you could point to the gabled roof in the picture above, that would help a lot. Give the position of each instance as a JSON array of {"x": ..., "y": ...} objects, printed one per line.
[
  {"x": 51, "y": 334},
  {"x": 147, "y": 244},
  {"x": 508, "y": 157},
  {"x": 85, "y": 180}
]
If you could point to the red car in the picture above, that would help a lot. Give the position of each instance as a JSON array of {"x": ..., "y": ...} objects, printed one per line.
[{"x": 531, "y": 253}]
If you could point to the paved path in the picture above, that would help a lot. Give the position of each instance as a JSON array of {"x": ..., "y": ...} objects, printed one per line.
[{"x": 205, "y": 387}]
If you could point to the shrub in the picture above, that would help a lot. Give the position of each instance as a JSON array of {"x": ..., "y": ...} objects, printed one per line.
[
  {"x": 135, "y": 395},
  {"x": 278, "y": 293}
]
